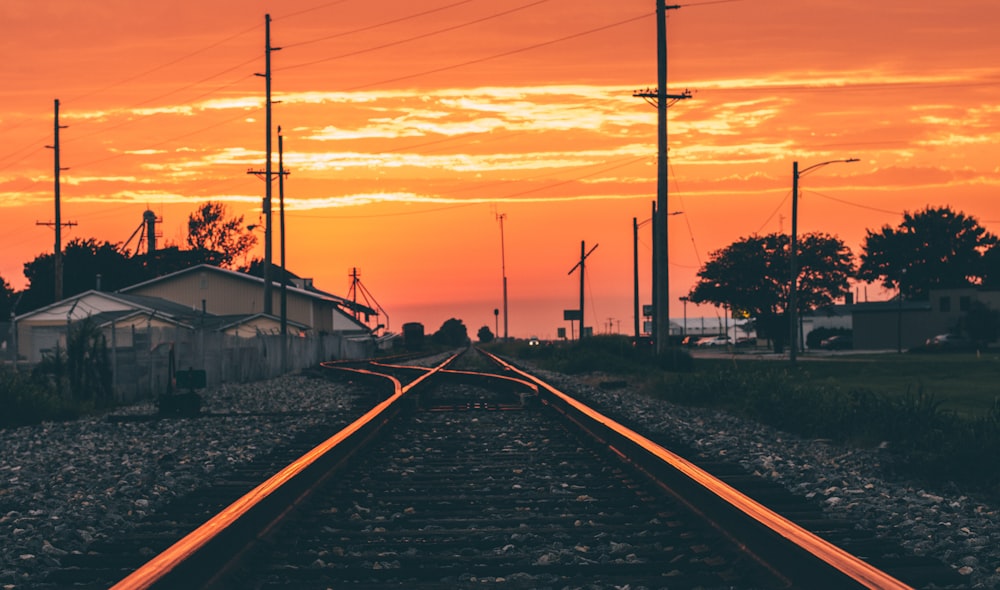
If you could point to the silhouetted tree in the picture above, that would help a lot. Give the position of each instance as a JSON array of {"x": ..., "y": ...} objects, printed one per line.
[
  {"x": 83, "y": 261},
  {"x": 256, "y": 268},
  {"x": 991, "y": 267},
  {"x": 980, "y": 323},
  {"x": 6, "y": 299},
  {"x": 210, "y": 229},
  {"x": 933, "y": 248},
  {"x": 452, "y": 333},
  {"x": 752, "y": 275},
  {"x": 485, "y": 334},
  {"x": 171, "y": 259}
]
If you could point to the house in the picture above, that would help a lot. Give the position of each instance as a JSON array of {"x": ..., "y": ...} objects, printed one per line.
[
  {"x": 205, "y": 318},
  {"x": 224, "y": 292},
  {"x": 902, "y": 325},
  {"x": 42, "y": 330}
]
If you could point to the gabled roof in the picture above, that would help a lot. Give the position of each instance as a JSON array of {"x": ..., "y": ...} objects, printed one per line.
[
  {"x": 312, "y": 293},
  {"x": 130, "y": 303},
  {"x": 147, "y": 308},
  {"x": 225, "y": 322}
]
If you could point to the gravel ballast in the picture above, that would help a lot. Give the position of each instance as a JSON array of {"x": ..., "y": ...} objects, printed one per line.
[{"x": 64, "y": 485}]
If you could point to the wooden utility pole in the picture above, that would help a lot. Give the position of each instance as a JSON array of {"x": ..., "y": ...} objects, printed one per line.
[
  {"x": 57, "y": 224},
  {"x": 582, "y": 265},
  {"x": 267, "y": 173},
  {"x": 661, "y": 100},
  {"x": 284, "y": 273}
]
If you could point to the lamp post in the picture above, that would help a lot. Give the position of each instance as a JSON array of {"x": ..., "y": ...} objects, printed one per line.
[
  {"x": 503, "y": 270},
  {"x": 636, "y": 224},
  {"x": 794, "y": 274},
  {"x": 684, "y": 328},
  {"x": 899, "y": 316}
]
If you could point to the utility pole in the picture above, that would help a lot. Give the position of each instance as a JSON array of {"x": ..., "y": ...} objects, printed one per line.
[
  {"x": 793, "y": 254},
  {"x": 582, "y": 264},
  {"x": 267, "y": 173},
  {"x": 635, "y": 277},
  {"x": 636, "y": 224},
  {"x": 661, "y": 100},
  {"x": 503, "y": 269},
  {"x": 284, "y": 274},
  {"x": 57, "y": 224}
]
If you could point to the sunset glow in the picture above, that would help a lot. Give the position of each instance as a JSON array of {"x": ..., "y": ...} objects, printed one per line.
[{"x": 410, "y": 127}]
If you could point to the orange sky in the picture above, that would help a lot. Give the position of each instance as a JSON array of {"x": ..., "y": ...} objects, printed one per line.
[{"x": 409, "y": 127}]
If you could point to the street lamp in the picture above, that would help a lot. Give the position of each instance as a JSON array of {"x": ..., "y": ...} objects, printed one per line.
[
  {"x": 636, "y": 224},
  {"x": 684, "y": 299},
  {"x": 794, "y": 275}
]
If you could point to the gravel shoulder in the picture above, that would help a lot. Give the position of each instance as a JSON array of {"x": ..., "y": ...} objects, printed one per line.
[
  {"x": 959, "y": 529},
  {"x": 64, "y": 485}
]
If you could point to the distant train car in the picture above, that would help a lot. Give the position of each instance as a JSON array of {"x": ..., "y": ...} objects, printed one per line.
[{"x": 413, "y": 336}]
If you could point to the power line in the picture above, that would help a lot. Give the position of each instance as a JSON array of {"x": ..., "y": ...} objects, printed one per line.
[
  {"x": 165, "y": 141},
  {"x": 859, "y": 206},
  {"x": 313, "y": 9},
  {"x": 417, "y": 37},
  {"x": 503, "y": 54},
  {"x": 774, "y": 212},
  {"x": 164, "y": 65},
  {"x": 148, "y": 116},
  {"x": 377, "y": 25}
]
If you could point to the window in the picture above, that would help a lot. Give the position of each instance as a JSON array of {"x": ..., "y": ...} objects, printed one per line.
[
  {"x": 964, "y": 303},
  {"x": 944, "y": 304}
]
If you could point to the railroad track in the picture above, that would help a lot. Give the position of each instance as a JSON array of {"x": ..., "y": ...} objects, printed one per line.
[{"x": 489, "y": 477}]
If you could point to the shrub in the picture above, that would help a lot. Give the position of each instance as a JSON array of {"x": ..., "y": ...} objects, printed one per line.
[{"x": 26, "y": 401}]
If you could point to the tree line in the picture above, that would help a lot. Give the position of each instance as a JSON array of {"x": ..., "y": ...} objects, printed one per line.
[
  {"x": 935, "y": 248},
  {"x": 213, "y": 237}
]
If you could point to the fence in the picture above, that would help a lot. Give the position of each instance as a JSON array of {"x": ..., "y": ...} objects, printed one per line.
[{"x": 142, "y": 359}]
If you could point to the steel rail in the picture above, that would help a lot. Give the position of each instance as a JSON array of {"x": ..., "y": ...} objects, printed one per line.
[
  {"x": 849, "y": 565},
  {"x": 161, "y": 567}
]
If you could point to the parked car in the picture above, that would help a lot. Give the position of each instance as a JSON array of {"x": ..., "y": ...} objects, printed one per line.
[
  {"x": 949, "y": 342},
  {"x": 715, "y": 341},
  {"x": 746, "y": 342},
  {"x": 690, "y": 341},
  {"x": 837, "y": 342}
]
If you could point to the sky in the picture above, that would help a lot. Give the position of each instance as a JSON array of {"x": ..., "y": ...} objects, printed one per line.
[{"x": 439, "y": 146}]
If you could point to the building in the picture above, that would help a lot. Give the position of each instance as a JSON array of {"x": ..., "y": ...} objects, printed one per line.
[
  {"x": 205, "y": 318},
  {"x": 902, "y": 325},
  {"x": 219, "y": 291}
]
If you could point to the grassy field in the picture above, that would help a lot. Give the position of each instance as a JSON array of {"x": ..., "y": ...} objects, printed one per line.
[
  {"x": 936, "y": 414},
  {"x": 966, "y": 383}
]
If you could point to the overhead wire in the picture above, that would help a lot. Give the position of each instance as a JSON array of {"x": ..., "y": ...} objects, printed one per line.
[
  {"x": 440, "y": 31},
  {"x": 165, "y": 65},
  {"x": 415, "y": 37},
  {"x": 376, "y": 25},
  {"x": 858, "y": 205},
  {"x": 773, "y": 213},
  {"x": 308, "y": 10},
  {"x": 499, "y": 55}
]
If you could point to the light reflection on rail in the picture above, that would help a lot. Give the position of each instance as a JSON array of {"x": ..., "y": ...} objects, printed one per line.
[{"x": 851, "y": 566}]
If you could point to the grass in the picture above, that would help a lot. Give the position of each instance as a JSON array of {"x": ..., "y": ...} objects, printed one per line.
[
  {"x": 965, "y": 383},
  {"x": 938, "y": 416}
]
